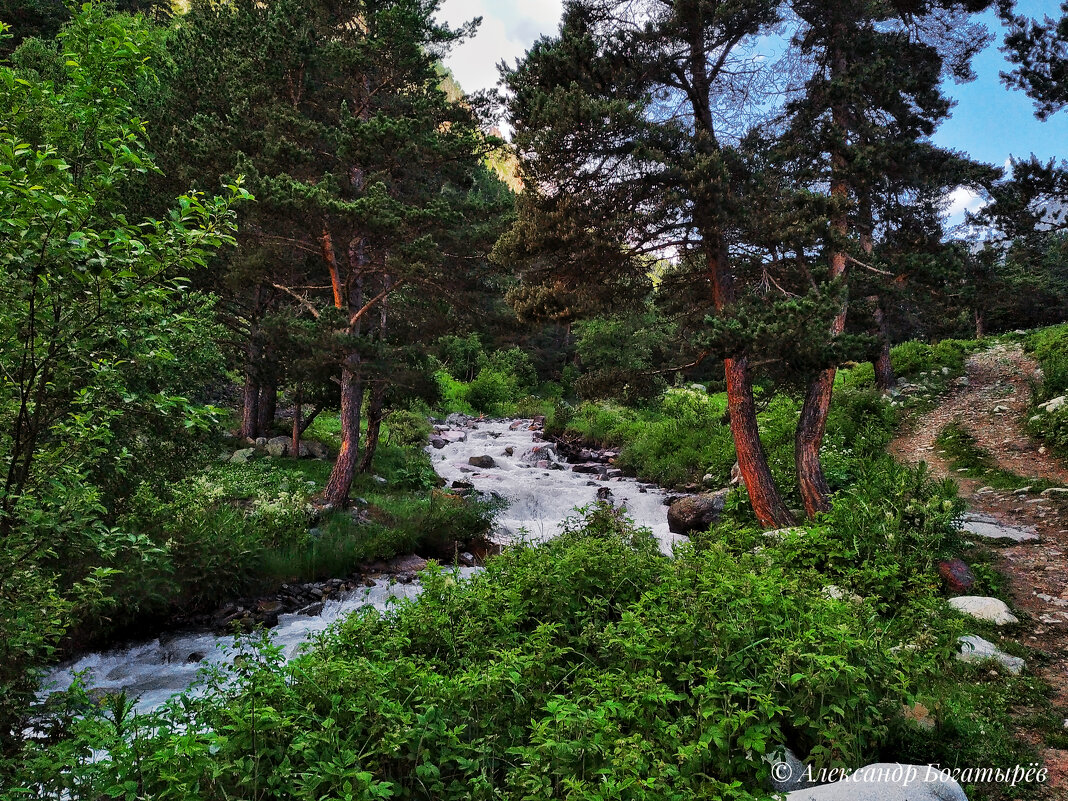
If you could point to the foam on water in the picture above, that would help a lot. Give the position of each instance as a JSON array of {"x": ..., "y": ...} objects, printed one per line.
[{"x": 540, "y": 499}]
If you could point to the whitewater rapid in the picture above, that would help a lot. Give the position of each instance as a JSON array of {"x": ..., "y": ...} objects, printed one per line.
[{"x": 538, "y": 500}]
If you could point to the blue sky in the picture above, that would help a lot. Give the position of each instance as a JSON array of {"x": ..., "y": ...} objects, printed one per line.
[{"x": 990, "y": 121}]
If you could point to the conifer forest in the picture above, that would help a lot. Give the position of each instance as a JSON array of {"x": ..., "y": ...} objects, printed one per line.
[{"x": 681, "y": 413}]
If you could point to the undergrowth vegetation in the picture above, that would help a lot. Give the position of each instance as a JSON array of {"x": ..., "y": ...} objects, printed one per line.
[{"x": 591, "y": 666}]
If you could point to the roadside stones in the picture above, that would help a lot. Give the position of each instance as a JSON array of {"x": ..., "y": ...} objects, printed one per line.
[
  {"x": 975, "y": 649},
  {"x": 957, "y": 575},
  {"x": 696, "y": 512},
  {"x": 1054, "y": 404},
  {"x": 991, "y": 528},
  {"x": 991, "y": 610},
  {"x": 886, "y": 781}
]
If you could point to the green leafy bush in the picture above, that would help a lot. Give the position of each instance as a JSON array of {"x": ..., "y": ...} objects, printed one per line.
[
  {"x": 407, "y": 429},
  {"x": 1050, "y": 348},
  {"x": 912, "y": 358}
]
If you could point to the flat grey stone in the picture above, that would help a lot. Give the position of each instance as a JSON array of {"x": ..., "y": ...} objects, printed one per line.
[
  {"x": 991, "y": 528},
  {"x": 976, "y": 649},
  {"x": 886, "y": 781},
  {"x": 980, "y": 607}
]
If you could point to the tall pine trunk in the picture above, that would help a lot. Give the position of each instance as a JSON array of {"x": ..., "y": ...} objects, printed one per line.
[
  {"x": 349, "y": 296},
  {"x": 250, "y": 403},
  {"x": 378, "y": 394},
  {"x": 767, "y": 502},
  {"x": 340, "y": 481},
  {"x": 808, "y": 439},
  {"x": 268, "y": 406}
]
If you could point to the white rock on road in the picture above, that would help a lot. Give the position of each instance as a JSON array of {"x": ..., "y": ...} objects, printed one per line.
[
  {"x": 982, "y": 608},
  {"x": 976, "y": 649}
]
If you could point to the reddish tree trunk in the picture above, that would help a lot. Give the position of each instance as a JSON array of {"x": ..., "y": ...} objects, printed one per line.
[
  {"x": 813, "y": 422},
  {"x": 351, "y": 295},
  {"x": 340, "y": 482},
  {"x": 767, "y": 502},
  {"x": 374, "y": 426},
  {"x": 752, "y": 461},
  {"x": 298, "y": 419}
]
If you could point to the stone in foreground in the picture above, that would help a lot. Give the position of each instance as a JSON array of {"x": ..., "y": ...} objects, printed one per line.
[
  {"x": 982, "y": 608},
  {"x": 976, "y": 649},
  {"x": 957, "y": 575},
  {"x": 991, "y": 528},
  {"x": 887, "y": 781}
]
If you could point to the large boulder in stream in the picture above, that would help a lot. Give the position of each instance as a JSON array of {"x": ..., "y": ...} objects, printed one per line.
[{"x": 696, "y": 512}]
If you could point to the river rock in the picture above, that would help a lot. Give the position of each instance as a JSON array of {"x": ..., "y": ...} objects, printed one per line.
[
  {"x": 437, "y": 443},
  {"x": 696, "y": 512},
  {"x": 457, "y": 419},
  {"x": 975, "y": 649},
  {"x": 406, "y": 564},
  {"x": 957, "y": 575},
  {"x": 1055, "y": 404},
  {"x": 887, "y": 781},
  {"x": 980, "y": 607}
]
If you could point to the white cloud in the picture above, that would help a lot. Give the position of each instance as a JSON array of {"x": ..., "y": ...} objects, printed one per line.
[
  {"x": 961, "y": 200},
  {"x": 509, "y": 28}
]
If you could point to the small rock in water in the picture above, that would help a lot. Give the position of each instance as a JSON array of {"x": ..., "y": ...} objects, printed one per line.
[
  {"x": 312, "y": 610},
  {"x": 604, "y": 494},
  {"x": 483, "y": 462},
  {"x": 466, "y": 559},
  {"x": 957, "y": 575},
  {"x": 991, "y": 610},
  {"x": 976, "y": 649}
]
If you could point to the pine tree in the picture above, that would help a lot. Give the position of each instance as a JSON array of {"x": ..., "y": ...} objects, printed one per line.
[
  {"x": 871, "y": 100},
  {"x": 626, "y": 125},
  {"x": 369, "y": 180},
  {"x": 1040, "y": 52}
]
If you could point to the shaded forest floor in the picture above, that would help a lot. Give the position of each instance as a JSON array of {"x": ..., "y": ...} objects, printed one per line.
[{"x": 990, "y": 406}]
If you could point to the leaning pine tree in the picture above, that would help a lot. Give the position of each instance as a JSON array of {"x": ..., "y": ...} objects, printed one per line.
[{"x": 625, "y": 126}]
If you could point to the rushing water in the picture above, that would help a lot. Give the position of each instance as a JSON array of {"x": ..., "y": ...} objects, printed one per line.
[{"x": 539, "y": 500}]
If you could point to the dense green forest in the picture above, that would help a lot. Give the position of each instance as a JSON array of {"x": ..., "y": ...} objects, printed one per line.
[{"x": 284, "y": 307}]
